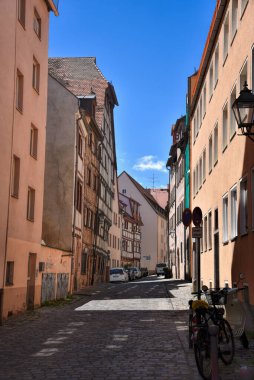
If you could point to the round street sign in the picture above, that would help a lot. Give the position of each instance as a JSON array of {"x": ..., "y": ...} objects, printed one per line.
[
  {"x": 197, "y": 216},
  {"x": 187, "y": 217}
]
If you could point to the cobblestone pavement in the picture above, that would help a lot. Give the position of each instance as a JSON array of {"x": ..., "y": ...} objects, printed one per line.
[{"x": 128, "y": 331}]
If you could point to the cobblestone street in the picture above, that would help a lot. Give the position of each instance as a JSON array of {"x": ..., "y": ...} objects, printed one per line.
[{"x": 136, "y": 330}]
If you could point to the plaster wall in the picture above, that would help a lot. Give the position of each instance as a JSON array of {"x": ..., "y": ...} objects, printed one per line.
[
  {"x": 18, "y": 235},
  {"x": 149, "y": 231},
  {"x": 60, "y": 167},
  {"x": 234, "y": 162}
]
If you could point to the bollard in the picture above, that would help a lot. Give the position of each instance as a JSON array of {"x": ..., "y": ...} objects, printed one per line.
[{"x": 213, "y": 332}]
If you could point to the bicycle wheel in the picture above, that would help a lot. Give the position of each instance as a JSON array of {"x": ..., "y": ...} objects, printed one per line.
[
  {"x": 226, "y": 343},
  {"x": 202, "y": 354}
]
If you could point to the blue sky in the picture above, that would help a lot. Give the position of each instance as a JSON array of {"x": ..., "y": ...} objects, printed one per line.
[{"x": 147, "y": 48}]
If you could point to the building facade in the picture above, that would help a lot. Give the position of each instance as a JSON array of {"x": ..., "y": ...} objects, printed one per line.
[
  {"x": 82, "y": 77},
  {"x": 222, "y": 174},
  {"x": 177, "y": 231},
  {"x": 23, "y": 102},
  {"x": 154, "y": 228},
  {"x": 131, "y": 232}
]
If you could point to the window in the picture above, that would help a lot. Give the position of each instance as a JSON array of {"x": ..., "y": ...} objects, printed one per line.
[
  {"x": 37, "y": 23},
  {"x": 90, "y": 139},
  {"x": 226, "y": 38},
  {"x": 83, "y": 263},
  {"x": 211, "y": 80},
  {"x": 19, "y": 91},
  {"x": 243, "y": 206},
  {"x": 80, "y": 144},
  {"x": 216, "y": 219},
  {"x": 210, "y": 230},
  {"x": 194, "y": 182},
  {"x": 233, "y": 213},
  {"x": 84, "y": 216},
  {"x": 233, "y": 124},
  {"x": 36, "y": 75},
  {"x": 30, "y": 204},
  {"x": 205, "y": 234},
  {"x": 216, "y": 66},
  {"x": 94, "y": 182},
  {"x": 15, "y": 176},
  {"x": 79, "y": 195},
  {"x": 33, "y": 141},
  {"x": 9, "y": 273},
  {"x": 204, "y": 100},
  {"x": 215, "y": 144},
  {"x": 88, "y": 172},
  {"x": 243, "y": 75},
  {"x": 204, "y": 165},
  {"x": 200, "y": 172},
  {"x": 234, "y": 18},
  {"x": 22, "y": 12},
  {"x": 210, "y": 153},
  {"x": 225, "y": 127},
  {"x": 225, "y": 218},
  {"x": 243, "y": 79}
]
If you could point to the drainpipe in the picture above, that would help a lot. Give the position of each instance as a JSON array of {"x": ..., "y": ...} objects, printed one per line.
[{"x": 75, "y": 200}]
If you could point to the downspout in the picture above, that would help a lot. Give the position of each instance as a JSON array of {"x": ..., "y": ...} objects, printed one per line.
[{"x": 75, "y": 200}]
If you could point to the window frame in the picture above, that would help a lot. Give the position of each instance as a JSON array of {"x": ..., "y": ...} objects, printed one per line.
[{"x": 30, "y": 204}]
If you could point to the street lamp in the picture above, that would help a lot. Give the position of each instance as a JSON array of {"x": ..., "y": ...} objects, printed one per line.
[{"x": 243, "y": 108}]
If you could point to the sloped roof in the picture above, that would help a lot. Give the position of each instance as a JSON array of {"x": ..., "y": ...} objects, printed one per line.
[
  {"x": 81, "y": 75},
  {"x": 148, "y": 196}
]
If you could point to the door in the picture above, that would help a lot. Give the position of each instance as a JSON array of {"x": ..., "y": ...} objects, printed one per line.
[
  {"x": 216, "y": 261},
  {"x": 31, "y": 280}
]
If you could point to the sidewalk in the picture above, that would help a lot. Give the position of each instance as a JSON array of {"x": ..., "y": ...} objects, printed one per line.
[{"x": 243, "y": 364}]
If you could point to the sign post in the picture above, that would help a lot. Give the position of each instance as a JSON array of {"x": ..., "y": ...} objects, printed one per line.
[{"x": 197, "y": 219}]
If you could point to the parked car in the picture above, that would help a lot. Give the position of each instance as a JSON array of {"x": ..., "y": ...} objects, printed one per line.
[
  {"x": 131, "y": 274},
  {"x": 118, "y": 275},
  {"x": 159, "y": 269},
  {"x": 137, "y": 272},
  {"x": 144, "y": 272}
]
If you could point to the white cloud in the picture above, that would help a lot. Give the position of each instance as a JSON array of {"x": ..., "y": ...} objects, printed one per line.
[{"x": 150, "y": 163}]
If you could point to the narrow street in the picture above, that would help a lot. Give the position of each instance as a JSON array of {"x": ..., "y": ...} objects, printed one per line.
[{"x": 136, "y": 330}]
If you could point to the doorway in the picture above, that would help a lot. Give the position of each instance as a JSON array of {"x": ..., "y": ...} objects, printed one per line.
[{"x": 31, "y": 280}]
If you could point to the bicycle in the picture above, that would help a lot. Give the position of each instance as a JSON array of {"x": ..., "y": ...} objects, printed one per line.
[{"x": 202, "y": 315}]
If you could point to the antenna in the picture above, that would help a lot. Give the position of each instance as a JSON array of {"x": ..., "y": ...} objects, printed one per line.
[{"x": 154, "y": 179}]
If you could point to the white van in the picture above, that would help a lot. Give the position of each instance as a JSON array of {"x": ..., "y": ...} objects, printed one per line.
[{"x": 159, "y": 269}]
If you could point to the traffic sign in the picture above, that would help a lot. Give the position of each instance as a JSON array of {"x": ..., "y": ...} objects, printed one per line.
[
  {"x": 197, "y": 216},
  {"x": 197, "y": 232},
  {"x": 187, "y": 217}
]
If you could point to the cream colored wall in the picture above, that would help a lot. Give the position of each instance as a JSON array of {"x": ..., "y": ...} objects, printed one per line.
[{"x": 229, "y": 169}]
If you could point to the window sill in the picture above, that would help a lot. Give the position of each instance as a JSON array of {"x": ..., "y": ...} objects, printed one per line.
[
  {"x": 34, "y": 156},
  {"x": 30, "y": 220},
  {"x": 244, "y": 234},
  {"x": 21, "y": 23},
  {"x": 215, "y": 84},
  {"x": 225, "y": 59},
  {"x": 9, "y": 284},
  {"x": 232, "y": 136},
  {"x": 223, "y": 149},
  {"x": 225, "y": 242},
  {"x": 36, "y": 90},
  {"x": 216, "y": 162},
  {"x": 20, "y": 110},
  {"x": 233, "y": 38},
  {"x": 233, "y": 238},
  {"x": 210, "y": 98},
  {"x": 15, "y": 196}
]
